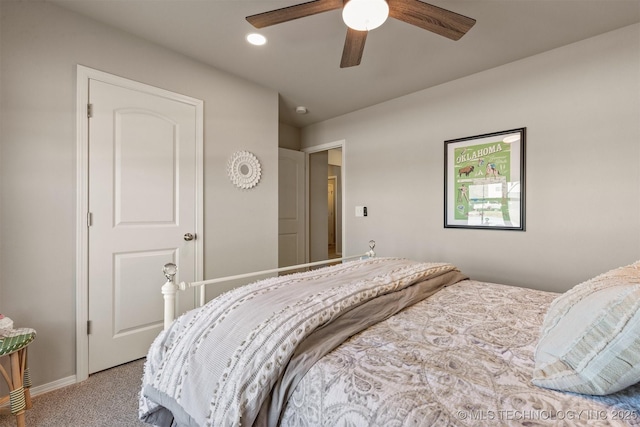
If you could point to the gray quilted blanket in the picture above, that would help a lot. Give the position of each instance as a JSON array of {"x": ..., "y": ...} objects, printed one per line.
[{"x": 237, "y": 360}]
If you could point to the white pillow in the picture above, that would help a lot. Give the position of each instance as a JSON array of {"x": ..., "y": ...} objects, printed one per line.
[{"x": 590, "y": 338}]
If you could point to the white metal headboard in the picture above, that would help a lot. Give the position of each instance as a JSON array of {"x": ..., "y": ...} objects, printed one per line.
[{"x": 171, "y": 288}]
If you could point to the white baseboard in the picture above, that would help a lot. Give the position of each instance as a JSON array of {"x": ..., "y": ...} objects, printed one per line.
[
  {"x": 54, "y": 385},
  {"x": 45, "y": 388}
]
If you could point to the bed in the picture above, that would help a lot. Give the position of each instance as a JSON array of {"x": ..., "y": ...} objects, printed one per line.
[{"x": 394, "y": 342}]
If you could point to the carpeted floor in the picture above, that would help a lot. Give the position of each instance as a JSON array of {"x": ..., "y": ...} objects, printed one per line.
[{"x": 107, "y": 399}]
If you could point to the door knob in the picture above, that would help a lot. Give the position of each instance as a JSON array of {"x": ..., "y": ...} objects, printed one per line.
[{"x": 188, "y": 237}]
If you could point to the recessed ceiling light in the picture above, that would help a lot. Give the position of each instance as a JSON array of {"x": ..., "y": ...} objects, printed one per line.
[{"x": 256, "y": 39}]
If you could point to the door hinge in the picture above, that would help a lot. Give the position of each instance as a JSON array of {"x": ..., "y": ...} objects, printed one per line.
[
  {"x": 89, "y": 110},
  {"x": 88, "y": 327},
  {"x": 89, "y": 219}
]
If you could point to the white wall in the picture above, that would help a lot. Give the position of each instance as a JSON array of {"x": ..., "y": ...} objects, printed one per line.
[
  {"x": 40, "y": 46},
  {"x": 581, "y": 107}
]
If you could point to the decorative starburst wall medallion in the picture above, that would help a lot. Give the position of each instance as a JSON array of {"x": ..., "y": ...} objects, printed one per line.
[{"x": 244, "y": 169}]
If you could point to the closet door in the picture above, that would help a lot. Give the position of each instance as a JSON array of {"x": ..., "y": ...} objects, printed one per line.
[
  {"x": 291, "y": 208},
  {"x": 143, "y": 206}
]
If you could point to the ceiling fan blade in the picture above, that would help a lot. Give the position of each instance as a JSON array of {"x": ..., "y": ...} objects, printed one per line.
[
  {"x": 290, "y": 13},
  {"x": 353, "y": 48},
  {"x": 429, "y": 17}
]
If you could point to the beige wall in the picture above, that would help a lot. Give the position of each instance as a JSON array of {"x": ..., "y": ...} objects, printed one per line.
[
  {"x": 41, "y": 45},
  {"x": 288, "y": 137},
  {"x": 581, "y": 107}
]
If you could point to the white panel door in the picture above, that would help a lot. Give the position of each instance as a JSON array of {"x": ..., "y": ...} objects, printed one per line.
[
  {"x": 291, "y": 208},
  {"x": 142, "y": 201}
]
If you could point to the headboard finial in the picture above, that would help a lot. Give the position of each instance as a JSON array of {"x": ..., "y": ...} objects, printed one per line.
[
  {"x": 371, "y": 253},
  {"x": 170, "y": 270}
]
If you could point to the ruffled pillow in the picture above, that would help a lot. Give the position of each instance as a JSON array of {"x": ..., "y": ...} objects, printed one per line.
[{"x": 590, "y": 340}]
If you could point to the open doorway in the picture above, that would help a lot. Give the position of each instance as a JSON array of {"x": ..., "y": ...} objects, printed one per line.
[
  {"x": 309, "y": 229},
  {"x": 334, "y": 203},
  {"x": 326, "y": 183},
  {"x": 331, "y": 223}
]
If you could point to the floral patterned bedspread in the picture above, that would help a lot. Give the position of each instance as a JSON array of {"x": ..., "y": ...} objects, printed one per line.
[{"x": 463, "y": 357}]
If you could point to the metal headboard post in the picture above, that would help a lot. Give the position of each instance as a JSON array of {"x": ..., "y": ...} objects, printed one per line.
[{"x": 169, "y": 290}]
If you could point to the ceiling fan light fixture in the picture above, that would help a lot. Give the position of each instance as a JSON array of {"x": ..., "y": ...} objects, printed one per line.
[
  {"x": 256, "y": 39},
  {"x": 365, "y": 15}
]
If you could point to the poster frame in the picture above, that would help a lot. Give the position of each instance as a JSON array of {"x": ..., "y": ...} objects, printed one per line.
[{"x": 490, "y": 162}]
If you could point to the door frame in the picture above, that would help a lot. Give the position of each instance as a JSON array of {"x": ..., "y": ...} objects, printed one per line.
[
  {"x": 83, "y": 75},
  {"x": 342, "y": 144},
  {"x": 334, "y": 178}
]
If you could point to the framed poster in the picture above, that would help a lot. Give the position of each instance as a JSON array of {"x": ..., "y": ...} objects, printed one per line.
[{"x": 484, "y": 181}]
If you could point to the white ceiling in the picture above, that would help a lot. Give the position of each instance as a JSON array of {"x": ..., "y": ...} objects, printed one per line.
[{"x": 301, "y": 59}]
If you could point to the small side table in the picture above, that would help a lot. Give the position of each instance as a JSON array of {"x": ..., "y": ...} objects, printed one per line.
[{"x": 13, "y": 343}]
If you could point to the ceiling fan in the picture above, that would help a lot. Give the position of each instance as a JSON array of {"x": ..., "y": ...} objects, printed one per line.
[{"x": 364, "y": 15}]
